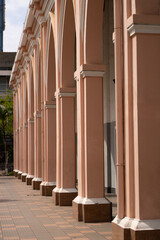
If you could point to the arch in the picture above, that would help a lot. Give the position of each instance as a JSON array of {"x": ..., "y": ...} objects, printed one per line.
[
  {"x": 93, "y": 32},
  {"x": 50, "y": 75},
  {"x": 67, "y": 47}
]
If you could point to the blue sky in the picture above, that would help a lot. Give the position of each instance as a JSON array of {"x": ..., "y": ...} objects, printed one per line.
[{"x": 15, "y": 16}]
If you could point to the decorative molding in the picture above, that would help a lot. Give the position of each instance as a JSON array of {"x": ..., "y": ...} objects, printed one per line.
[
  {"x": 136, "y": 224},
  {"x": 37, "y": 114},
  {"x": 144, "y": 29},
  {"x": 66, "y": 94},
  {"x": 49, "y": 106},
  {"x": 92, "y": 74},
  {"x": 30, "y": 120},
  {"x": 25, "y": 125}
]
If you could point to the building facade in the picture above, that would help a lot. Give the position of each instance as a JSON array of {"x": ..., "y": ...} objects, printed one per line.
[
  {"x": 2, "y": 22},
  {"x": 86, "y": 109},
  {"x": 6, "y": 64}
]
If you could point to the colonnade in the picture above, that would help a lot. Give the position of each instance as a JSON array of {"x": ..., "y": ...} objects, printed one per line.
[{"x": 57, "y": 80}]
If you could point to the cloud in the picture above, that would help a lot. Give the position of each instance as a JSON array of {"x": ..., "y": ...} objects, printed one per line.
[{"x": 15, "y": 16}]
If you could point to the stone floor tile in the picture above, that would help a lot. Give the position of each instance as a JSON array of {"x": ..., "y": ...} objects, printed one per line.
[{"x": 26, "y": 215}]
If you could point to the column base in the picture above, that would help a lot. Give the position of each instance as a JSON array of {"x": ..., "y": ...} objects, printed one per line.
[
  {"x": 92, "y": 209},
  {"x": 55, "y": 196},
  {"x": 29, "y": 179},
  {"x": 46, "y": 188},
  {"x": 64, "y": 197},
  {"x": 19, "y": 175},
  {"x": 42, "y": 188},
  {"x": 23, "y": 177},
  {"x": 132, "y": 229},
  {"x": 36, "y": 183},
  {"x": 15, "y": 172}
]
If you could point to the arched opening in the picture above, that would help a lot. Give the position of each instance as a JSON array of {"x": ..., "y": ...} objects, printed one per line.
[
  {"x": 51, "y": 69},
  {"x": 68, "y": 59}
]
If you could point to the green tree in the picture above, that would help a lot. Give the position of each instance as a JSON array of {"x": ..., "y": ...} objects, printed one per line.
[{"x": 6, "y": 125}]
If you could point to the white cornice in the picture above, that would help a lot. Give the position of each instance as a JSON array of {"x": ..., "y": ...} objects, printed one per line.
[
  {"x": 92, "y": 74},
  {"x": 66, "y": 94},
  {"x": 144, "y": 29},
  {"x": 49, "y": 106}
]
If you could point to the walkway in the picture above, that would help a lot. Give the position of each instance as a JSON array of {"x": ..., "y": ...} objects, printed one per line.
[{"x": 26, "y": 215}]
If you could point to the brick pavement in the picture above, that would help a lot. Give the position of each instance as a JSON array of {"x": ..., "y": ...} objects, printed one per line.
[{"x": 26, "y": 215}]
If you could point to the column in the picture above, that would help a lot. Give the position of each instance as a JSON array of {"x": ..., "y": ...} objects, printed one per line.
[
  {"x": 43, "y": 27},
  {"x": 37, "y": 119},
  {"x": 50, "y": 148},
  {"x": 20, "y": 132},
  {"x": 65, "y": 190},
  {"x": 15, "y": 134},
  {"x": 37, "y": 139},
  {"x": 25, "y": 130},
  {"x": 90, "y": 205},
  {"x": 30, "y": 175},
  {"x": 31, "y": 144},
  {"x": 25, "y": 152},
  {"x": 141, "y": 217}
]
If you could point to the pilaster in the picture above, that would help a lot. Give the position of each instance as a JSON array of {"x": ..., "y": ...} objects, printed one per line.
[
  {"x": 91, "y": 205},
  {"x": 65, "y": 190}
]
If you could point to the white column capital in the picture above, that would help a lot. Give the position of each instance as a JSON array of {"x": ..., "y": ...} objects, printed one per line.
[
  {"x": 143, "y": 29},
  {"x": 87, "y": 73}
]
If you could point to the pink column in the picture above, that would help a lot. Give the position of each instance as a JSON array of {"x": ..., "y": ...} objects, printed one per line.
[
  {"x": 31, "y": 145},
  {"x": 37, "y": 139},
  {"x": 37, "y": 121},
  {"x": 65, "y": 190},
  {"x": 90, "y": 204},
  {"x": 141, "y": 51},
  {"x": 43, "y": 27},
  {"x": 50, "y": 148},
  {"x": 25, "y": 130},
  {"x": 15, "y": 134},
  {"x": 20, "y": 131}
]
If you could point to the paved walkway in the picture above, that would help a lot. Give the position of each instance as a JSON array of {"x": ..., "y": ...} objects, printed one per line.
[{"x": 26, "y": 215}]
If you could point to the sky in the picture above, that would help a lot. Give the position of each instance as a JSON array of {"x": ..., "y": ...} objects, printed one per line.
[{"x": 15, "y": 15}]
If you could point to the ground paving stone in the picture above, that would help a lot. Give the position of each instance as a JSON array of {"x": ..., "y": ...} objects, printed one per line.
[{"x": 26, "y": 215}]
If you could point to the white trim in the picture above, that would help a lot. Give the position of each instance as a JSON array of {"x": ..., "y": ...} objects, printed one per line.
[
  {"x": 136, "y": 224},
  {"x": 78, "y": 200},
  {"x": 24, "y": 174},
  {"x": 5, "y": 73},
  {"x": 56, "y": 189},
  {"x": 145, "y": 224},
  {"x": 92, "y": 74},
  {"x": 36, "y": 179},
  {"x": 68, "y": 190},
  {"x": 66, "y": 94},
  {"x": 90, "y": 201},
  {"x": 19, "y": 172},
  {"x": 43, "y": 183},
  {"x": 141, "y": 28},
  {"x": 30, "y": 120},
  {"x": 50, "y": 184},
  {"x": 37, "y": 114},
  {"x": 30, "y": 176},
  {"x": 49, "y": 106}
]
